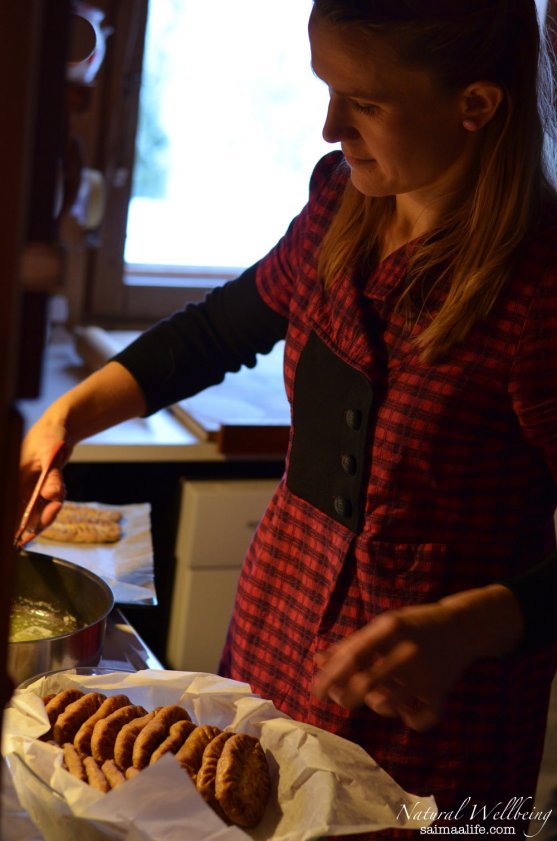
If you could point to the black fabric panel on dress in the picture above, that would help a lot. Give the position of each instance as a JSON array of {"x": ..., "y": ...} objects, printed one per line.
[{"x": 332, "y": 408}]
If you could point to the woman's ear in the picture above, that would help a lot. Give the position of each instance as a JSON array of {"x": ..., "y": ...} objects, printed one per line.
[{"x": 480, "y": 102}]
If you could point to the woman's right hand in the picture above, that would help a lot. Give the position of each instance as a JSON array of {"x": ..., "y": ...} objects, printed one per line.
[
  {"x": 106, "y": 397},
  {"x": 36, "y": 454},
  {"x": 405, "y": 662}
]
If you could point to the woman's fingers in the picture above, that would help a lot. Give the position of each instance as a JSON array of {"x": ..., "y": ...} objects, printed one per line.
[
  {"x": 352, "y": 692},
  {"x": 353, "y": 655},
  {"x": 49, "y": 513},
  {"x": 395, "y": 666},
  {"x": 52, "y": 491},
  {"x": 422, "y": 718}
]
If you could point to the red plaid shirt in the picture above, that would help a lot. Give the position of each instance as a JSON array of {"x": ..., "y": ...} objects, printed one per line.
[{"x": 457, "y": 491}]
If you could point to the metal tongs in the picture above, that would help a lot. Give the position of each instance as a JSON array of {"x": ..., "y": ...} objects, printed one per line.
[{"x": 29, "y": 525}]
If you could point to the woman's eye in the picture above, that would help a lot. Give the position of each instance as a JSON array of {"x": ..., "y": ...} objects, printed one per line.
[{"x": 365, "y": 108}]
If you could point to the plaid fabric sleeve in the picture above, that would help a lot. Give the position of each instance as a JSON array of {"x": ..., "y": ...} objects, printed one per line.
[{"x": 286, "y": 263}]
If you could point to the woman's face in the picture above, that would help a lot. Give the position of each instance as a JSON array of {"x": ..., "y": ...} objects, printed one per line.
[{"x": 400, "y": 133}]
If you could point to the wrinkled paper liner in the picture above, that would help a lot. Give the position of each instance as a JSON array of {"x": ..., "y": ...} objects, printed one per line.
[
  {"x": 127, "y": 565},
  {"x": 321, "y": 784}
]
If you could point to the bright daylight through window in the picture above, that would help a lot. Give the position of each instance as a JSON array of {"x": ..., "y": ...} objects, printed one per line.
[{"x": 229, "y": 131}]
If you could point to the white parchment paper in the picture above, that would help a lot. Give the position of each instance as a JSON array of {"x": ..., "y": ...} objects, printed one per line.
[
  {"x": 321, "y": 784},
  {"x": 127, "y": 566}
]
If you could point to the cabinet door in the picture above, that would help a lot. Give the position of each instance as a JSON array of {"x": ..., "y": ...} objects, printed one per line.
[{"x": 32, "y": 44}]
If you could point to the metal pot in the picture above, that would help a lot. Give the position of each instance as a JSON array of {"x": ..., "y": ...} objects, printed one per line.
[{"x": 69, "y": 589}]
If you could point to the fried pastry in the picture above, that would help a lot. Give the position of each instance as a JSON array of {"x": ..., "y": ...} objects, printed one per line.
[
  {"x": 68, "y": 722},
  {"x": 58, "y": 703},
  {"x": 242, "y": 783},
  {"x": 73, "y": 762},
  {"x": 190, "y": 754},
  {"x": 106, "y": 730},
  {"x": 82, "y": 739},
  {"x": 155, "y": 732},
  {"x": 74, "y": 512},
  {"x": 106, "y": 741},
  {"x": 112, "y": 773},
  {"x": 95, "y": 775},
  {"x": 177, "y": 735},
  {"x": 82, "y": 532},
  {"x": 206, "y": 776},
  {"x": 125, "y": 740}
]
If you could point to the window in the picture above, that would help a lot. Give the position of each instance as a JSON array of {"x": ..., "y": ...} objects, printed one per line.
[{"x": 229, "y": 130}]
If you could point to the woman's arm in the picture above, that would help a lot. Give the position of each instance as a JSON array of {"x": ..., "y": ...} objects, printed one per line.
[
  {"x": 178, "y": 357},
  {"x": 107, "y": 397}
]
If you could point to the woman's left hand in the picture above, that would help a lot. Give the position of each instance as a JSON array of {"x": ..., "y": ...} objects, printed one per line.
[{"x": 406, "y": 661}]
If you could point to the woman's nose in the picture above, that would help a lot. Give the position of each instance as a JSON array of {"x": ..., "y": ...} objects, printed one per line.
[{"x": 336, "y": 126}]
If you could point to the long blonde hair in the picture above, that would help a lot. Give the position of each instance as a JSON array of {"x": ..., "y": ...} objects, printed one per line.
[{"x": 471, "y": 257}]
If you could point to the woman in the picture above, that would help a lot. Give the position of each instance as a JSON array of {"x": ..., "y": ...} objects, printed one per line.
[{"x": 418, "y": 297}]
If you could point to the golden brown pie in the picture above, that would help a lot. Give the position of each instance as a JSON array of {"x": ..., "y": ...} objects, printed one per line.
[
  {"x": 242, "y": 783},
  {"x": 82, "y": 532},
  {"x": 155, "y": 732},
  {"x": 125, "y": 740},
  {"x": 70, "y": 720},
  {"x": 190, "y": 754},
  {"x": 95, "y": 775},
  {"x": 111, "y": 735},
  {"x": 112, "y": 773},
  {"x": 73, "y": 762},
  {"x": 75, "y": 512},
  {"x": 82, "y": 739},
  {"x": 177, "y": 735},
  {"x": 106, "y": 730},
  {"x": 56, "y": 704},
  {"x": 207, "y": 774}
]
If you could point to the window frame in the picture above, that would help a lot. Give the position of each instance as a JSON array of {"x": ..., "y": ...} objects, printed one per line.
[
  {"x": 104, "y": 289},
  {"x": 101, "y": 288}
]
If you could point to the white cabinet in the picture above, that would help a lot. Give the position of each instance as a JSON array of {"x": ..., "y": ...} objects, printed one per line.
[{"x": 217, "y": 520}]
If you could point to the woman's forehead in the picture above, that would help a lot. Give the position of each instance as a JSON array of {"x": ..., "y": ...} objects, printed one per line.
[
  {"x": 357, "y": 63},
  {"x": 408, "y": 11}
]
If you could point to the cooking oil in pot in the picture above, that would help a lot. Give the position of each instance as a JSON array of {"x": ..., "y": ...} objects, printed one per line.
[{"x": 37, "y": 620}]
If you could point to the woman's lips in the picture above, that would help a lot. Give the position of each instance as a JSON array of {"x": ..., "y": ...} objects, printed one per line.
[{"x": 353, "y": 161}]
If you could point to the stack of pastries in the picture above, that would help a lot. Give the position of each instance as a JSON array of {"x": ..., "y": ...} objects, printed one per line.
[
  {"x": 107, "y": 740},
  {"x": 77, "y": 523}
]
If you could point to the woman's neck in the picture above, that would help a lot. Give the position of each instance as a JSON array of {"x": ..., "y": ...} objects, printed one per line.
[{"x": 412, "y": 219}]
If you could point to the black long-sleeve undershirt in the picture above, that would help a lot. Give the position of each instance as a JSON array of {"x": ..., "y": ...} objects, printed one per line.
[{"x": 195, "y": 347}]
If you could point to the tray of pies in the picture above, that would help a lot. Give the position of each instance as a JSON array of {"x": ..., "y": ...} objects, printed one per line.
[{"x": 155, "y": 754}]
